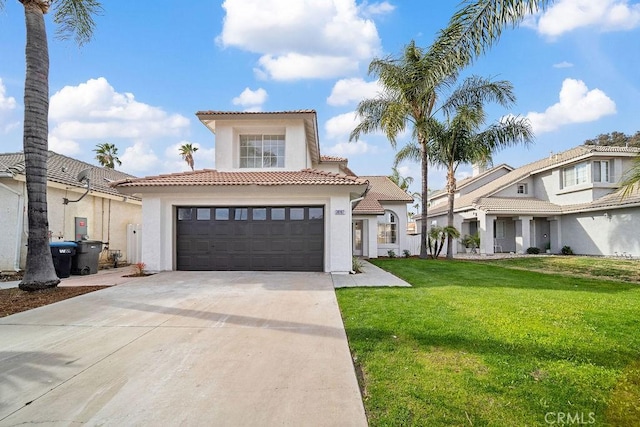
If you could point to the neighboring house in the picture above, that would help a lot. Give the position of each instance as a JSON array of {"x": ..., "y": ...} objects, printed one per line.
[
  {"x": 103, "y": 214},
  {"x": 380, "y": 219},
  {"x": 272, "y": 203},
  {"x": 568, "y": 199}
]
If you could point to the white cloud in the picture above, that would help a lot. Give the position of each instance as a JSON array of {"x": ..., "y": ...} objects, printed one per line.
[
  {"x": 251, "y": 98},
  {"x": 7, "y": 105},
  {"x": 577, "y": 104},
  {"x": 341, "y": 126},
  {"x": 303, "y": 38},
  {"x": 139, "y": 158},
  {"x": 64, "y": 146},
  {"x": 345, "y": 149},
  {"x": 6, "y": 102},
  {"x": 346, "y": 91},
  {"x": 563, "y": 64},
  {"x": 605, "y": 15},
  {"x": 381, "y": 8},
  {"x": 95, "y": 111}
]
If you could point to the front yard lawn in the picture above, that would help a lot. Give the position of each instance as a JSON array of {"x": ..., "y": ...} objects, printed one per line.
[{"x": 479, "y": 344}]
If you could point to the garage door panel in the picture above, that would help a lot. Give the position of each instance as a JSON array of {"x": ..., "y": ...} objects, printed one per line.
[{"x": 246, "y": 238}]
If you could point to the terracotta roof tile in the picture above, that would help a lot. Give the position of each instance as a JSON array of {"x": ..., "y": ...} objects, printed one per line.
[
  {"x": 246, "y": 113},
  {"x": 517, "y": 205},
  {"x": 381, "y": 189},
  {"x": 209, "y": 177},
  {"x": 324, "y": 158},
  {"x": 582, "y": 151}
]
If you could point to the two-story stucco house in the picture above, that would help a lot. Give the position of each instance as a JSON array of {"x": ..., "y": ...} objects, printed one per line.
[
  {"x": 93, "y": 210},
  {"x": 568, "y": 199},
  {"x": 272, "y": 203}
]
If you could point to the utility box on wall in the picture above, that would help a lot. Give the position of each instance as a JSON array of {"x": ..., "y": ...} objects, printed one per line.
[{"x": 81, "y": 228}]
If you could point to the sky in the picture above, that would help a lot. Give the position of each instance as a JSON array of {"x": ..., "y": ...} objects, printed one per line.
[{"x": 152, "y": 65}]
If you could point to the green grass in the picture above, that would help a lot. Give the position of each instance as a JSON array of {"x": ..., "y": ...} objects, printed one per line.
[
  {"x": 618, "y": 269},
  {"x": 480, "y": 344}
]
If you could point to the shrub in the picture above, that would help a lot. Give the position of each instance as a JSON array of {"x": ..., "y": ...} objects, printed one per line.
[
  {"x": 406, "y": 253},
  {"x": 139, "y": 268},
  {"x": 566, "y": 250},
  {"x": 356, "y": 265},
  {"x": 533, "y": 250},
  {"x": 391, "y": 253}
]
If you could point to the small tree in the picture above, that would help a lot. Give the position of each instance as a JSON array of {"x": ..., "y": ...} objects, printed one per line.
[{"x": 437, "y": 237}]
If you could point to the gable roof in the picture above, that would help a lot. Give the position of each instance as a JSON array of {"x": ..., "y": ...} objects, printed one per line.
[
  {"x": 471, "y": 179},
  {"x": 478, "y": 197},
  {"x": 211, "y": 177},
  {"x": 381, "y": 189},
  {"x": 209, "y": 118},
  {"x": 65, "y": 170}
]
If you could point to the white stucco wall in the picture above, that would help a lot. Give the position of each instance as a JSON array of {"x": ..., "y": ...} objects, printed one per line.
[
  {"x": 593, "y": 233},
  {"x": 159, "y": 206},
  {"x": 227, "y": 142},
  {"x": 12, "y": 228}
]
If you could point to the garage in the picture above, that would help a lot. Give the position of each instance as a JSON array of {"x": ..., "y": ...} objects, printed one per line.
[{"x": 250, "y": 238}]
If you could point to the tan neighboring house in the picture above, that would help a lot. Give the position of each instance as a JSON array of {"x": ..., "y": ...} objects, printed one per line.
[
  {"x": 272, "y": 203},
  {"x": 570, "y": 199},
  {"x": 103, "y": 214}
]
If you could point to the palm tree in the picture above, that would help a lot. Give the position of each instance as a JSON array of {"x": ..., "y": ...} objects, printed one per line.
[
  {"x": 631, "y": 181},
  {"x": 477, "y": 26},
  {"x": 458, "y": 139},
  {"x": 186, "y": 151},
  {"x": 407, "y": 100},
  {"x": 399, "y": 180},
  {"x": 107, "y": 155},
  {"x": 74, "y": 18}
]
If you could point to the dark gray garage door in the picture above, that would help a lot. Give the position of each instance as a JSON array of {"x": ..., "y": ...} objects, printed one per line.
[{"x": 250, "y": 238}]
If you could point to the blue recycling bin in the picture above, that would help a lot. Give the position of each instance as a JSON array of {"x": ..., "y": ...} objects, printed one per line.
[{"x": 62, "y": 254}]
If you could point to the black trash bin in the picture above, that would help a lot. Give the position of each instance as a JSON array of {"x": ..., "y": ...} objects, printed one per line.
[
  {"x": 62, "y": 254},
  {"x": 87, "y": 256}
]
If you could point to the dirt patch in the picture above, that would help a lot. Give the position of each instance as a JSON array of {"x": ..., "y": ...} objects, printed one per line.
[{"x": 13, "y": 300}]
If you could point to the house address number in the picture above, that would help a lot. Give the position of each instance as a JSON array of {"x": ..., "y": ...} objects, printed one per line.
[{"x": 340, "y": 212}]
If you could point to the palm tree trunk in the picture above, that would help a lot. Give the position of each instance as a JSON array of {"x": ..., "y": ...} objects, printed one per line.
[
  {"x": 39, "y": 273},
  {"x": 425, "y": 200},
  {"x": 451, "y": 192}
]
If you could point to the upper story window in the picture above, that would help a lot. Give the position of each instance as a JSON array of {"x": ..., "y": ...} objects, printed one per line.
[
  {"x": 261, "y": 151},
  {"x": 600, "y": 171},
  {"x": 574, "y": 174},
  {"x": 522, "y": 189},
  {"x": 387, "y": 228}
]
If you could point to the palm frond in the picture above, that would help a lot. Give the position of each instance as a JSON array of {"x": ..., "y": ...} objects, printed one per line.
[
  {"x": 631, "y": 180},
  {"x": 75, "y": 19}
]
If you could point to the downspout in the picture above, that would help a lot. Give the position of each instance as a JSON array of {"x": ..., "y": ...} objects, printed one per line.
[{"x": 19, "y": 225}]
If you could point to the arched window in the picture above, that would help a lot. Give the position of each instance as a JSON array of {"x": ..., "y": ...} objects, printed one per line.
[{"x": 387, "y": 228}]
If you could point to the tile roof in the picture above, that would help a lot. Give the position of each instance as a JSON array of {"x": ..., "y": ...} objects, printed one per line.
[
  {"x": 612, "y": 200},
  {"x": 210, "y": 177},
  {"x": 324, "y": 158},
  {"x": 381, "y": 189},
  {"x": 517, "y": 205},
  {"x": 253, "y": 113},
  {"x": 554, "y": 160},
  {"x": 470, "y": 180},
  {"x": 65, "y": 170}
]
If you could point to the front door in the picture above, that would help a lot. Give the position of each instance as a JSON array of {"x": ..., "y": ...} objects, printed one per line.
[{"x": 357, "y": 237}]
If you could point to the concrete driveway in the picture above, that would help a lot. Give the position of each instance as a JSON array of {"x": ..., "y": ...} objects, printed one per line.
[{"x": 184, "y": 348}]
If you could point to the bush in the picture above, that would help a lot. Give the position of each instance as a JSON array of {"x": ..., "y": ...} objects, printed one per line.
[
  {"x": 356, "y": 265},
  {"x": 566, "y": 250},
  {"x": 406, "y": 253},
  {"x": 533, "y": 250},
  {"x": 391, "y": 253}
]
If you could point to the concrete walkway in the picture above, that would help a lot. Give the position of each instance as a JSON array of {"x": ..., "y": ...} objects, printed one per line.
[
  {"x": 370, "y": 276},
  {"x": 184, "y": 348},
  {"x": 110, "y": 277}
]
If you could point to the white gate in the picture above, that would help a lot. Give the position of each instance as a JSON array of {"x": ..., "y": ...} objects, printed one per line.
[{"x": 134, "y": 243}]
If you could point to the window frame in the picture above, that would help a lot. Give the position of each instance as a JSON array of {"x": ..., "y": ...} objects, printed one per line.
[
  {"x": 524, "y": 187},
  {"x": 604, "y": 166},
  {"x": 272, "y": 144},
  {"x": 575, "y": 174},
  {"x": 388, "y": 228}
]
